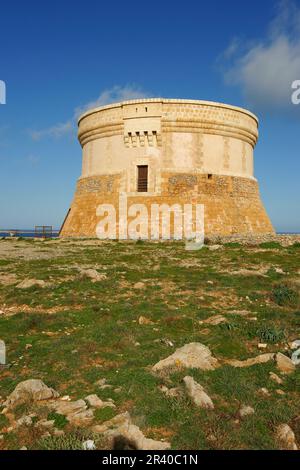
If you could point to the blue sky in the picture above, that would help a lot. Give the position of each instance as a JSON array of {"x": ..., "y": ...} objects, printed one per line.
[{"x": 59, "y": 57}]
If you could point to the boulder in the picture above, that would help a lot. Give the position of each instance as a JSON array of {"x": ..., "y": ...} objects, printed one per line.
[
  {"x": 28, "y": 391},
  {"x": 191, "y": 356},
  {"x": 96, "y": 402},
  {"x": 286, "y": 437},
  {"x": 173, "y": 392},
  {"x": 197, "y": 393},
  {"x": 284, "y": 363},
  {"x": 121, "y": 426},
  {"x": 139, "y": 285},
  {"x": 214, "y": 320},
  {"x": 76, "y": 412},
  {"x": 261, "y": 359},
  {"x": 145, "y": 321},
  {"x": 276, "y": 378}
]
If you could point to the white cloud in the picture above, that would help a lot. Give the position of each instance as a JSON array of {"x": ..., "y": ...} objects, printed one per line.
[
  {"x": 112, "y": 95},
  {"x": 56, "y": 131},
  {"x": 266, "y": 70}
]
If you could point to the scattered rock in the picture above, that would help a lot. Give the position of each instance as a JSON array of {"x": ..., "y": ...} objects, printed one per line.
[
  {"x": 145, "y": 321},
  {"x": 251, "y": 272},
  {"x": 261, "y": 359},
  {"x": 121, "y": 426},
  {"x": 139, "y": 285},
  {"x": 30, "y": 390},
  {"x": 101, "y": 383},
  {"x": 296, "y": 357},
  {"x": 93, "y": 275},
  {"x": 214, "y": 320},
  {"x": 241, "y": 313},
  {"x": 197, "y": 394},
  {"x": 8, "y": 279},
  {"x": 262, "y": 345},
  {"x": 28, "y": 346},
  {"x": 96, "y": 402},
  {"x": 66, "y": 398},
  {"x": 287, "y": 437},
  {"x": 284, "y": 363},
  {"x": 27, "y": 283},
  {"x": 214, "y": 247},
  {"x": 264, "y": 391},
  {"x": 280, "y": 392},
  {"x": 44, "y": 423},
  {"x": 246, "y": 410},
  {"x": 295, "y": 344},
  {"x": 275, "y": 377},
  {"x": 76, "y": 412},
  {"x": 192, "y": 356},
  {"x": 88, "y": 445},
  {"x": 279, "y": 271},
  {"x": 24, "y": 421},
  {"x": 170, "y": 392}
]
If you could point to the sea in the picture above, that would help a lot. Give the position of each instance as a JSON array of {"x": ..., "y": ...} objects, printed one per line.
[{"x": 28, "y": 233}]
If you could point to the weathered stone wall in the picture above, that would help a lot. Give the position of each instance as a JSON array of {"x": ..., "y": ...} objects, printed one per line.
[{"x": 232, "y": 205}]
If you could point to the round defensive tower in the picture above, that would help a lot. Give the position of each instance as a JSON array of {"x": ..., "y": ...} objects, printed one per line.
[{"x": 169, "y": 151}]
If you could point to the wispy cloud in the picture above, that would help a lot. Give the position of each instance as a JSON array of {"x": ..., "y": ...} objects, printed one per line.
[
  {"x": 266, "y": 69},
  {"x": 112, "y": 95},
  {"x": 56, "y": 131}
]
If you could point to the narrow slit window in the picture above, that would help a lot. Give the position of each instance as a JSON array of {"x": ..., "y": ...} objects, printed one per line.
[
  {"x": 142, "y": 183},
  {"x": 209, "y": 176}
]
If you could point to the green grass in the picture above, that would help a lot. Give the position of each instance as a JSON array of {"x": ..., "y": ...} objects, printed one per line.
[{"x": 81, "y": 332}]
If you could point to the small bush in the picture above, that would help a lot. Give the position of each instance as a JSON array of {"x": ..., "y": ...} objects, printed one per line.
[
  {"x": 282, "y": 295},
  {"x": 270, "y": 334},
  {"x": 270, "y": 245},
  {"x": 295, "y": 245}
]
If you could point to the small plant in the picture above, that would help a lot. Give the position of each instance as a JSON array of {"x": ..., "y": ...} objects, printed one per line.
[
  {"x": 60, "y": 421},
  {"x": 67, "y": 442},
  {"x": 270, "y": 334},
  {"x": 104, "y": 414},
  {"x": 282, "y": 295},
  {"x": 72, "y": 441},
  {"x": 270, "y": 245}
]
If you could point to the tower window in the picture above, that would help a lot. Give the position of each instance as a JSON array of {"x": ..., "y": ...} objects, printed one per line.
[
  {"x": 142, "y": 182},
  {"x": 209, "y": 176}
]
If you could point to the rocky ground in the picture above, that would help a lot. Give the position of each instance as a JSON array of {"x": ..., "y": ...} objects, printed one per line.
[{"x": 149, "y": 346}]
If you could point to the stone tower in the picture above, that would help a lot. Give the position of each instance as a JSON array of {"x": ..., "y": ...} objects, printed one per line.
[{"x": 169, "y": 151}]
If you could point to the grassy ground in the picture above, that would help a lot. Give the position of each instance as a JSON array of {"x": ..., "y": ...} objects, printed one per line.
[{"x": 81, "y": 332}]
